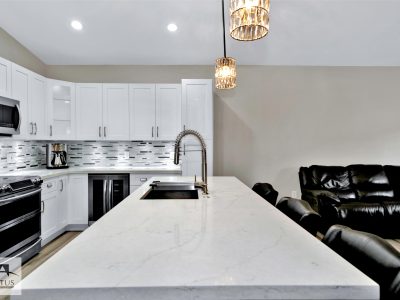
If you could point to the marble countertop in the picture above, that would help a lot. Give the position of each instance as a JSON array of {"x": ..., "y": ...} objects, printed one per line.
[
  {"x": 49, "y": 173},
  {"x": 231, "y": 244}
]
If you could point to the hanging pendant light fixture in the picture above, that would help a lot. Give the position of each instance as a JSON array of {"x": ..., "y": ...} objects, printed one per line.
[
  {"x": 249, "y": 19},
  {"x": 225, "y": 67}
]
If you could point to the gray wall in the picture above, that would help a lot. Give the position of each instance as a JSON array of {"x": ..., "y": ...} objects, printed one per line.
[
  {"x": 12, "y": 50},
  {"x": 278, "y": 118}
]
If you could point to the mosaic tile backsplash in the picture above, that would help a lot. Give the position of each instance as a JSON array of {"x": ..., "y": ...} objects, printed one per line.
[{"x": 23, "y": 155}]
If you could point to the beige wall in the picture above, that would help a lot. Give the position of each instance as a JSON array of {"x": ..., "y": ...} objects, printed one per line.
[
  {"x": 12, "y": 50},
  {"x": 280, "y": 118}
]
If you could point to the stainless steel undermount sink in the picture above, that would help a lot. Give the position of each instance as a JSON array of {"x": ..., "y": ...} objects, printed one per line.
[{"x": 171, "y": 190}]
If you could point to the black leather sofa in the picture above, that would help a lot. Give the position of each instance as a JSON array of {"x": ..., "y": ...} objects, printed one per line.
[
  {"x": 371, "y": 254},
  {"x": 363, "y": 197}
]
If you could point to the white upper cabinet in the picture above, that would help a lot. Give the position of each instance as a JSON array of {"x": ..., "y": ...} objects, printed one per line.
[
  {"x": 197, "y": 106},
  {"x": 116, "y": 111},
  {"x": 5, "y": 77},
  {"x": 20, "y": 91},
  {"x": 89, "y": 111},
  {"x": 37, "y": 106},
  {"x": 142, "y": 111},
  {"x": 155, "y": 111},
  {"x": 61, "y": 110},
  {"x": 168, "y": 111}
]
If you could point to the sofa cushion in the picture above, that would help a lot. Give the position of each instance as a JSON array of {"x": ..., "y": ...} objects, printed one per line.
[
  {"x": 330, "y": 177},
  {"x": 362, "y": 216},
  {"x": 370, "y": 182},
  {"x": 393, "y": 174}
]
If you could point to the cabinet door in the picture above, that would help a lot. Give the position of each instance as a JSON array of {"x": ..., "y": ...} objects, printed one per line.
[
  {"x": 197, "y": 106},
  {"x": 191, "y": 158},
  {"x": 78, "y": 199},
  {"x": 89, "y": 111},
  {"x": 49, "y": 216},
  {"x": 61, "y": 110},
  {"x": 168, "y": 111},
  {"x": 20, "y": 91},
  {"x": 142, "y": 111},
  {"x": 62, "y": 189},
  {"x": 37, "y": 105},
  {"x": 116, "y": 111},
  {"x": 5, "y": 78}
]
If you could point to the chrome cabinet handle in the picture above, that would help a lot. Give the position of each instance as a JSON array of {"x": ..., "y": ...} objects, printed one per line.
[
  {"x": 51, "y": 130},
  {"x": 105, "y": 132},
  {"x": 157, "y": 131},
  {"x": 143, "y": 179},
  {"x": 99, "y": 131},
  {"x": 42, "y": 206},
  {"x": 31, "y": 127},
  {"x": 152, "y": 131},
  {"x": 184, "y": 127},
  {"x": 62, "y": 185},
  {"x": 49, "y": 185},
  {"x": 105, "y": 196},
  {"x": 35, "y": 128}
]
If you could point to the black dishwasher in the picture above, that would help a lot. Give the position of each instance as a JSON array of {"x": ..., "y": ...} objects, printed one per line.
[{"x": 105, "y": 192}]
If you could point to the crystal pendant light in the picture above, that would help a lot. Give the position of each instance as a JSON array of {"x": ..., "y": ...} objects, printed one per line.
[
  {"x": 225, "y": 67},
  {"x": 249, "y": 19}
]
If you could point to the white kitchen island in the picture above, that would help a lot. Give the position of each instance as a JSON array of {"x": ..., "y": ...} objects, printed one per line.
[{"x": 230, "y": 245}]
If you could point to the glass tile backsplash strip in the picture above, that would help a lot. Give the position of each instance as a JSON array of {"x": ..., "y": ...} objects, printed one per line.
[{"x": 23, "y": 155}]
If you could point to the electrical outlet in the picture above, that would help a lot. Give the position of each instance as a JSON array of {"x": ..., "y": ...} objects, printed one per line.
[
  {"x": 10, "y": 158},
  {"x": 294, "y": 194}
]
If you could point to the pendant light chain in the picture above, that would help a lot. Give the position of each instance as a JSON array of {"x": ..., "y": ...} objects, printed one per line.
[{"x": 225, "y": 67}]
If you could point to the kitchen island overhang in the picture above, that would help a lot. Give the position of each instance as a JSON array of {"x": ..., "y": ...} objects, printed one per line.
[{"x": 230, "y": 244}]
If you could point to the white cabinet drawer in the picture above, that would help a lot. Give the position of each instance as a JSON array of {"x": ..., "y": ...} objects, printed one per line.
[
  {"x": 49, "y": 186},
  {"x": 139, "y": 179}
]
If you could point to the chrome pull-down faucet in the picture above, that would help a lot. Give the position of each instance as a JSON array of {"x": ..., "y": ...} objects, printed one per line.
[{"x": 178, "y": 140}]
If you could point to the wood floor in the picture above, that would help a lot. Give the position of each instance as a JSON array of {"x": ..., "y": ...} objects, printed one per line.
[{"x": 48, "y": 251}]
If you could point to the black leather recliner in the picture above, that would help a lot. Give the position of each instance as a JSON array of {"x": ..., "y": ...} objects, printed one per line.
[
  {"x": 266, "y": 191},
  {"x": 369, "y": 253},
  {"x": 301, "y": 212},
  {"x": 363, "y": 197}
]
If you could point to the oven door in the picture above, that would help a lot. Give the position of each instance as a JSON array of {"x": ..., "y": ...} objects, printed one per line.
[
  {"x": 10, "y": 116},
  {"x": 20, "y": 221}
]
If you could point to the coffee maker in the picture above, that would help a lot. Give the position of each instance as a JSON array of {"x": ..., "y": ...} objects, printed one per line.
[{"x": 56, "y": 156}]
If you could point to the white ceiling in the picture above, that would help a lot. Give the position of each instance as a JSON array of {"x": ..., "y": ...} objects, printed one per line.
[{"x": 303, "y": 32}]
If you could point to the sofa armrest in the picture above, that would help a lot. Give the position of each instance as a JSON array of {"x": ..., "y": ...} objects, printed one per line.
[
  {"x": 301, "y": 212},
  {"x": 327, "y": 197},
  {"x": 314, "y": 198}
]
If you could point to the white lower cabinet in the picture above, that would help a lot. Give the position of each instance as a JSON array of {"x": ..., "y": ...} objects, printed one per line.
[
  {"x": 64, "y": 205},
  {"x": 78, "y": 197},
  {"x": 53, "y": 202}
]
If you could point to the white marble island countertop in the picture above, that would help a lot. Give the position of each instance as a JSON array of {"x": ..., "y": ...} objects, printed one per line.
[
  {"x": 49, "y": 173},
  {"x": 231, "y": 245}
]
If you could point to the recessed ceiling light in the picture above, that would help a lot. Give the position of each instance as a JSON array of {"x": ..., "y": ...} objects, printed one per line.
[
  {"x": 172, "y": 27},
  {"x": 75, "y": 24}
]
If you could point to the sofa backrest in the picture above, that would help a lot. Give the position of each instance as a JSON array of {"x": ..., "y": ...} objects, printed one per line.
[
  {"x": 393, "y": 174},
  {"x": 370, "y": 183},
  {"x": 365, "y": 183},
  {"x": 331, "y": 178}
]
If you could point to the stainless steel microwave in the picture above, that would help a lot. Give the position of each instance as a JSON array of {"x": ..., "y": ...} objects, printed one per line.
[{"x": 10, "y": 116}]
